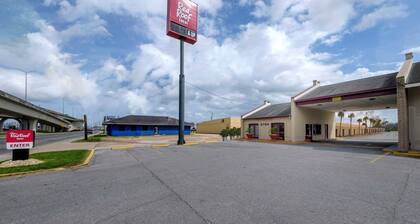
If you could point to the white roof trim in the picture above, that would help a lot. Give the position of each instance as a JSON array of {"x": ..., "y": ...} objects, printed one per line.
[
  {"x": 405, "y": 69},
  {"x": 412, "y": 85},
  {"x": 306, "y": 91},
  {"x": 266, "y": 104}
]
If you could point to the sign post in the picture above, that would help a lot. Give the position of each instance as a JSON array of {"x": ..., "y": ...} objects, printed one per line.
[
  {"x": 20, "y": 141},
  {"x": 182, "y": 24}
]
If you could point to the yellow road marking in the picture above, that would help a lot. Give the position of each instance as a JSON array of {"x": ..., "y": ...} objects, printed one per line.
[
  {"x": 122, "y": 147},
  {"x": 160, "y": 145},
  {"x": 211, "y": 141},
  {"x": 379, "y": 157}
]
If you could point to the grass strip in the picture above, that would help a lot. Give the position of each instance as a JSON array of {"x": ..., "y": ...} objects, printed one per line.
[
  {"x": 94, "y": 138},
  {"x": 51, "y": 160}
]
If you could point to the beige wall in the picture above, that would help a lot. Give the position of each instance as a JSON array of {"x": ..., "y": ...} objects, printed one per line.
[
  {"x": 355, "y": 129},
  {"x": 414, "y": 117},
  {"x": 216, "y": 126},
  {"x": 302, "y": 116},
  {"x": 264, "y": 126}
]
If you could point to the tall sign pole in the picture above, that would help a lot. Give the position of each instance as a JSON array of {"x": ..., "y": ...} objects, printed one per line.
[
  {"x": 181, "y": 126},
  {"x": 182, "y": 24}
]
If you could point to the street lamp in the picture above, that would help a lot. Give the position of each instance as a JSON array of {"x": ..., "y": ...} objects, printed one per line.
[
  {"x": 26, "y": 80},
  {"x": 26, "y": 83}
]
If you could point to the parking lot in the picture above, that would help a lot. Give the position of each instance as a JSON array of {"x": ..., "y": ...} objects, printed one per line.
[{"x": 229, "y": 182}]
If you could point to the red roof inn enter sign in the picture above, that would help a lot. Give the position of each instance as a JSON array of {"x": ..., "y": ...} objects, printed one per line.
[
  {"x": 182, "y": 20},
  {"x": 19, "y": 139}
]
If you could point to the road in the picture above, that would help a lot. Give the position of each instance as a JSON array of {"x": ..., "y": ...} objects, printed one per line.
[
  {"x": 230, "y": 182},
  {"x": 43, "y": 139}
]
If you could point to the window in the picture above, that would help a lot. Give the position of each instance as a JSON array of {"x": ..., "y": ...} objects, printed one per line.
[
  {"x": 133, "y": 128},
  {"x": 317, "y": 129},
  {"x": 144, "y": 128},
  {"x": 121, "y": 128}
]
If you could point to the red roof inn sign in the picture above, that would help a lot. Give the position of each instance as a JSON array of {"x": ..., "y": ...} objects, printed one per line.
[
  {"x": 19, "y": 139},
  {"x": 182, "y": 20}
]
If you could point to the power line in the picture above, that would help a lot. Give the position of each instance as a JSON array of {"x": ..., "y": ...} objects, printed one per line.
[{"x": 209, "y": 92}]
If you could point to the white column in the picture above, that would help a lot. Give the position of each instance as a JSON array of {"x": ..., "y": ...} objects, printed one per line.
[{"x": 32, "y": 124}]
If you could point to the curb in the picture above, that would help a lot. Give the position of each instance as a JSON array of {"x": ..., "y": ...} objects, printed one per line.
[
  {"x": 412, "y": 154},
  {"x": 86, "y": 162}
]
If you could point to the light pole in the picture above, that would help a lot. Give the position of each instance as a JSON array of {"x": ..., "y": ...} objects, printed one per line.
[
  {"x": 26, "y": 78},
  {"x": 26, "y": 86}
]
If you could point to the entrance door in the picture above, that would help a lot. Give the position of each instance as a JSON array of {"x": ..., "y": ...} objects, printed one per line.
[
  {"x": 326, "y": 132},
  {"x": 308, "y": 135},
  {"x": 254, "y": 130}
]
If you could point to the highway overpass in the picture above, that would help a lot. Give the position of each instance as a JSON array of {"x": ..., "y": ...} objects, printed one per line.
[{"x": 34, "y": 117}]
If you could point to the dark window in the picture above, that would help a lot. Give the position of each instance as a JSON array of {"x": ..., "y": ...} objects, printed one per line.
[
  {"x": 144, "y": 128},
  {"x": 133, "y": 128},
  {"x": 279, "y": 127},
  {"x": 121, "y": 128},
  {"x": 317, "y": 129}
]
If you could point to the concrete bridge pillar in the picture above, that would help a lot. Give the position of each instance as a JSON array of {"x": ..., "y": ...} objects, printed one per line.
[
  {"x": 30, "y": 124},
  {"x": 2, "y": 120}
]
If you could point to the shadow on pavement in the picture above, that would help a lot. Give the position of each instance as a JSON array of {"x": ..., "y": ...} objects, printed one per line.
[{"x": 351, "y": 146}]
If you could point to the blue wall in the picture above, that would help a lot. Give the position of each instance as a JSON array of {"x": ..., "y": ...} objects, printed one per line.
[{"x": 129, "y": 130}]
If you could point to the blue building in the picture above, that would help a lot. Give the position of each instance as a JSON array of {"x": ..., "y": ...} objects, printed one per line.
[{"x": 134, "y": 125}]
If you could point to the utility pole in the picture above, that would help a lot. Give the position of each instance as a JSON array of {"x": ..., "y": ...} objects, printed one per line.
[
  {"x": 85, "y": 124},
  {"x": 181, "y": 139}
]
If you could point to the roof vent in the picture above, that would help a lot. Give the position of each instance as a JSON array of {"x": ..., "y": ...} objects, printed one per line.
[
  {"x": 315, "y": 82},
  {"x": 409, "y": 56}
]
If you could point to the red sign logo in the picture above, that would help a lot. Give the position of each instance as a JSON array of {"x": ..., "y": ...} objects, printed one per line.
[
  {"x": 182, "y": 20},
  {"x": 19, "y": 139}
]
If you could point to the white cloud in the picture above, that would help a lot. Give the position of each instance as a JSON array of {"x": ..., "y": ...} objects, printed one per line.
[
  {"x": 55, "y": 75},
  {"x": 272, "y": 59},
  {"x": 414, "y": 50},
  {"x": 383, "y": 13}
]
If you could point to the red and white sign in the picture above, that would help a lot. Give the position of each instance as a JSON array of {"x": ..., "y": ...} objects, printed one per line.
[
  {"x": 19, "y": 139},
  {"x": 182, "y": 20}
]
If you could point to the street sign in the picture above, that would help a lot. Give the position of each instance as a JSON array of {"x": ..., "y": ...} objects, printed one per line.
[
  {"x": 182, "y": 20},
  {"x": 19, "y": 139}
]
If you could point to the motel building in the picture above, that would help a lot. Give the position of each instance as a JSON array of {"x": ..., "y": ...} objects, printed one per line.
[
  {"x": 311, "y": 114},
  {"x": 137, "y": 125}
]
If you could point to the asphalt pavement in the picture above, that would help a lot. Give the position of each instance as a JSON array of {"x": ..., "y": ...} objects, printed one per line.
[
  {"x": 230, "y": 182},
  {"x": 44, "y": 138}
]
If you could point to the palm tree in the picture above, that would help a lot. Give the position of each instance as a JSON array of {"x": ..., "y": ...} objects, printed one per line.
[
  {"x": 360, "y": 120},
  {"x": 351, "y": 116},
  {"x": 365, "y": 119},
  {"x": 340, "y": 115},
  {"x": 372, "y": 122}
]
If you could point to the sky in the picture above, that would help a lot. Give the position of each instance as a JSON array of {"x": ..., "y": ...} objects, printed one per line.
[{"x": 112, "y": 57}]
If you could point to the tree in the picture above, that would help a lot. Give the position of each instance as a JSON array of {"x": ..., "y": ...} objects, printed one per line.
[
  {"x": 340, "y": 115},
  {"x": 372, "y": 122},
  {"x": 365, "y": 120},
  {"x": 351, "y": 116},
  {"x": 378, "y": 123},
  {"x": 237, "y": 132},
  {"x": 360, "y": 120},
  {"x": 224, "y": 133}
]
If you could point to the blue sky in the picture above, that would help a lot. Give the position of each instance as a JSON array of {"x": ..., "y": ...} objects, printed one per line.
[{"x": 112, "y": 57}]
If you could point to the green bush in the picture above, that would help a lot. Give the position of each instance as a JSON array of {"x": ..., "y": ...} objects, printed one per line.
[
  {"x": 274, "y": 131},
  {"x": 224, "y": 133}
]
